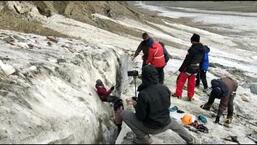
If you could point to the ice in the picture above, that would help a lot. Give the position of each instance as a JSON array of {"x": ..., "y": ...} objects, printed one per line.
[
  {"x": 50, "y": 102},
  {"x": 8, "y": 69},
  {"x": 51, "y": 98}
]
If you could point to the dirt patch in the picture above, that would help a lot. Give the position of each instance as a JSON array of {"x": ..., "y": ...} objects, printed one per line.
[
  {"x": 78, "y": 10},
  {"x": 12, "y": 21}
]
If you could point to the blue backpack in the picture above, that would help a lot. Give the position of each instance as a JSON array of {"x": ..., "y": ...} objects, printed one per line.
[{"x": 205, "y": 60}]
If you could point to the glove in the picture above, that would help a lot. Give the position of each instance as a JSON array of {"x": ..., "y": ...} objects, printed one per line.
[
  {"x": 217, "y": 120},
  {"x": 112, "y": 88}
]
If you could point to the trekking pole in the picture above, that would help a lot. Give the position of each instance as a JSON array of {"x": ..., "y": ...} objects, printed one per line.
[{"x": 135, "y": 82}]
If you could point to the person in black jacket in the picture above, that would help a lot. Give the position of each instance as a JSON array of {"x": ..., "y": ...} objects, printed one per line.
[
  {"x": 190, "y": 67},
  {"x": 144, "y": 46},
  {"x": 152, "y": 110}
]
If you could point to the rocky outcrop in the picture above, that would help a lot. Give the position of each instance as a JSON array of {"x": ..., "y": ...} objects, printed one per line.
[
  {"x": 77, "y": 10},
  {"x": 25, "y": 9}
]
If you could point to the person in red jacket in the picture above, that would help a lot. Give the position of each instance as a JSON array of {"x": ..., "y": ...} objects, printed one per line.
[
  {"x": 105, "y": 96},
  {"x": 102, "y": 92},
  {"x": 156, "y": 58}
]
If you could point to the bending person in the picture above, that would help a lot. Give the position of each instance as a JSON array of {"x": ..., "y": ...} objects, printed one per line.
[{"x": 225, "y": 90}]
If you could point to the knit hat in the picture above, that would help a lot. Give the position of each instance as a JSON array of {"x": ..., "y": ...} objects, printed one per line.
[
  {"x": 195, "y": 38},
  {"x": 187, "y": 119}
]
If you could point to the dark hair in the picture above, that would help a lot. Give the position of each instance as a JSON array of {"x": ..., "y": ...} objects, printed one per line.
[
  {"x": 216, "y": 92},
  {"x": 99, "y": 82},
  {"x": 145, "y": 35},
  {"x": 195, "y": 38}
]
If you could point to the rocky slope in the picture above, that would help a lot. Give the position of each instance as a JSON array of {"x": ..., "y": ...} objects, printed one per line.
[{"x": 47, "y": 83}]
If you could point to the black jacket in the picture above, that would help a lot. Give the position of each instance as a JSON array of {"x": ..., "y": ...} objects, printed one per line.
[
  {"x": 144, "y": 46},
  {"x": 153, "y": 100},
  {"x": 193, "y": 59},
  {"x": 167, "y": 56}
]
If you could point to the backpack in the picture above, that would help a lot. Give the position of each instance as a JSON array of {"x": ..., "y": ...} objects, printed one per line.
[
  {"x": 165, "y": 52},
  {"x": 205, "y": 60}
]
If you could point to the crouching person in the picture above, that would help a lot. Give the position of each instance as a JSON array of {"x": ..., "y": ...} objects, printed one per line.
[
  {"x": 152, "y": 110},
  {"x": 225, "y": 90}
]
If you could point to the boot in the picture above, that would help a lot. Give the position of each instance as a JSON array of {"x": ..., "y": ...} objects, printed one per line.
[
  {"x": 228, "y": 121},
  {"x": 175, "y": 95},
  {"x": 205, "y": 107}
]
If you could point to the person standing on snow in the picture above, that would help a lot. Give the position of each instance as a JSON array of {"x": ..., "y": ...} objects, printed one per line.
[
  {"x": 144, "y": 46},
  {"x": 152, "y": 114},
  {"x": 156, "y": 58},
  {"x": 201, "y": 75},
  {"x": 189, "y": 68},
  {"x": 225, "y": 90},
  {"x": 152, "y": 58}
]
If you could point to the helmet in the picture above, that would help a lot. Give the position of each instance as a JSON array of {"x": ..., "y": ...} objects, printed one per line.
[{"x": 187, "y": 119}]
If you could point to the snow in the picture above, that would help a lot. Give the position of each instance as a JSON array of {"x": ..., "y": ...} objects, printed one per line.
[
  {"x": 8, "y": 69},
  {"x": 213, "y": 12},
  {"x": 210, "y": 17},
  {"x": 53, "y": 101},
  {"x": 182, "y": 32},
  {"x": 143, "y": 27},
  {"x": 221, "y": 54},
  {"x": 88, "y": 32}
]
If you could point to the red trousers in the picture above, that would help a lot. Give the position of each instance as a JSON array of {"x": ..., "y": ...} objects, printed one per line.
[{"x": 190, "y": 85}]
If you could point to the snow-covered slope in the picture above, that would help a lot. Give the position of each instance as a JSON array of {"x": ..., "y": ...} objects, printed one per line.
[
  {"x": 50, "y": 98},
  {"x": 47, "y": 89}
]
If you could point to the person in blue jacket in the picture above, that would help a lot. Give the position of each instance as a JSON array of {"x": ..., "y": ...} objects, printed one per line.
[{"x": 201, "y": 75}]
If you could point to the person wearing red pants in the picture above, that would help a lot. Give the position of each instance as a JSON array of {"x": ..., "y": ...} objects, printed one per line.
[{"x": 189, "y": 68}]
